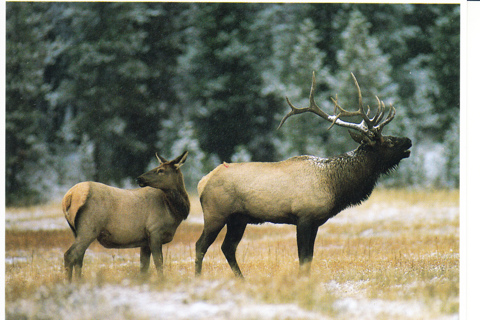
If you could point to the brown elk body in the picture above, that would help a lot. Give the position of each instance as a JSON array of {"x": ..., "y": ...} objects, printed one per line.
[
  {"x": 304, "y": 191},
  {"x": 146, "y": 217}
]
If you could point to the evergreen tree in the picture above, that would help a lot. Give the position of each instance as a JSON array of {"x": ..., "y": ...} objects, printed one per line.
[
  {"x": 445, "y": 64},
  {"x": 27, "y": 116},
  {"x": 217, "y": 74},
  {"x": 106, "y": 85},
  {"x": 294, "y": 56}
]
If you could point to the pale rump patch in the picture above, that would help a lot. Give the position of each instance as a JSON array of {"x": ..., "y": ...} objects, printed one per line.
[
  {"x": 203, "y": 181},
  {"x": 74, "y": 199}
]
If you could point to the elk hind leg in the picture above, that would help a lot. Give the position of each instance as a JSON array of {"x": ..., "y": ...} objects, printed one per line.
[
  {"x": 235, "y": 230},
  {"x": 209, "y": 234},
  {"x": 73, "y": 258},
  {"x": 69, "y": 263}
]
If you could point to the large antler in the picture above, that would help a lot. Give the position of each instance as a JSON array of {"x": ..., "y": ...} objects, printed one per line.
[{"x": 371, "y": 127}]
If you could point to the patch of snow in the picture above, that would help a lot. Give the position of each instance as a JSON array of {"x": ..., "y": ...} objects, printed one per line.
[
  {"x": 35, "y": 220},
  {"x": 14, "y": 260},
  {"x": 348, "y": 288},
  {"x": 372, "y": 309},
  {"x": 36, "y": 225},
  {"x": 362, "y": 308},
  {"x": 195, "y": 219}
]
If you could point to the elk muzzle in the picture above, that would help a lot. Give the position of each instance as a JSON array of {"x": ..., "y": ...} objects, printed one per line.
[
  {"x": 406, "y": 147},
  {"x": 141, "y": 181}
]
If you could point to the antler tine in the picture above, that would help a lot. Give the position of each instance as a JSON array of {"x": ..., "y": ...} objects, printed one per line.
[
  {"x": 390, "y": 116},
  {"x": 312, "y": 108},
  {"x": 360, "y": 111},
  {"x": 368, "y": 110},
  {"x": 360, "y": 100},
  {"x": 380, "y": 112},
  {"x": 375, "y": 124},
  {"x": 291, "y": 113}
]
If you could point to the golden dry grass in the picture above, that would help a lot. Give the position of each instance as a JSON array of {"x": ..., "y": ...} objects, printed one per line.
[{"x": 398, "y": 246}]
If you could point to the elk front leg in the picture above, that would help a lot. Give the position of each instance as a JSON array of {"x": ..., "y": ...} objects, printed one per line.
[
  {"x": 157, "y": 254},
  {"x": 306, "y": 234},
  {"x": 158, "y": 260},
  {"x": 145, "y": 254}
]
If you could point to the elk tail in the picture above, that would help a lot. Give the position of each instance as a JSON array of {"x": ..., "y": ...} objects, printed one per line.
[
  {"x": 201, "y": 185},
  {"x": 66, "y": 206},
  {"x": 73, "y": 202}
]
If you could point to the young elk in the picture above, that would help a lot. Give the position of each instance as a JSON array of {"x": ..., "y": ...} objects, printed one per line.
[
  {"x": 304, "y": 191},
  {"x": 147, "y": 217}
]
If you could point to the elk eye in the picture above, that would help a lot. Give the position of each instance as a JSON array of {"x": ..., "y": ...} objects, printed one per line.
[{"x": 161, "y": 170}]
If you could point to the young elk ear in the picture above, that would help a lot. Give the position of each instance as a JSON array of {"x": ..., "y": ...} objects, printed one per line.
[
  {"x": 360, "y": 138},
  {"x": 180, "y": 160},
  {"x": 160, "y": 158}
]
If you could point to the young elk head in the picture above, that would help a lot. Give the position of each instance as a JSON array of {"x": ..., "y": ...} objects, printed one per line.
[
  {"x": 386, "y": 151},
  {"x": 166, "y": 176}
]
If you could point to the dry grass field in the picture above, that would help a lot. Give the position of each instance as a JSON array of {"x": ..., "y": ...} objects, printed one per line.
[{"x": 394, "y": 257}]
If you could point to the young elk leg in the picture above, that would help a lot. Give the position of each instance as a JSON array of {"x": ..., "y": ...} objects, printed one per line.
[
  {"x": 156, "y": 249},
  {"x": 145, "y": 254},
  {"x": 209, "y": 234},
  {"x": 74, "y": 256},
  {"x": 235, "y": 230}
]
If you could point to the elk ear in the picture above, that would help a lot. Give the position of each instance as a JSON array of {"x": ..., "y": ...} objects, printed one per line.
[
  {"x": 160, "y": 158},
  {"x": 180, "y": 160},
  {"x": 360, "y": 138},
  {"x": 357, "y": 137}
]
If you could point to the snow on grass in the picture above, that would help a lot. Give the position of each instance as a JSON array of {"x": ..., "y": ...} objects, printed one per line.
[
  {"x": 200, "y": 299},
  {"x": 89, "y": 301},
  {"x": 359, "y": 309},
  {"x": 384, "y": 212},
  {"x": 13, "y": 260},
  {"x": 42, "y": 218}
]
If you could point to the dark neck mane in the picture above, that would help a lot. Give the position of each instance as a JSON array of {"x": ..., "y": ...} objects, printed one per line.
[
  {"x": 352, "y": 177},
  {"x": 356, "y": 178},
  {"x": 178, "y": 203}
]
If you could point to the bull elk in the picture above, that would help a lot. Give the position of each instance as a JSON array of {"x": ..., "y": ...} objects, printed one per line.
[
  {"x": 304, "y": 191},
  {"x": 146, "y": 217}
]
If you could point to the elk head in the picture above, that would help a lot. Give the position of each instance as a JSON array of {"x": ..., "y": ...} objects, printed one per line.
[
  {"x": 368, "y": 133},
  {"x": 166, "y": 176}
]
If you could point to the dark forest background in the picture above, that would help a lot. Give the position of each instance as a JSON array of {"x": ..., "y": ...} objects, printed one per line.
[{"x": 93, "y": 90}]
